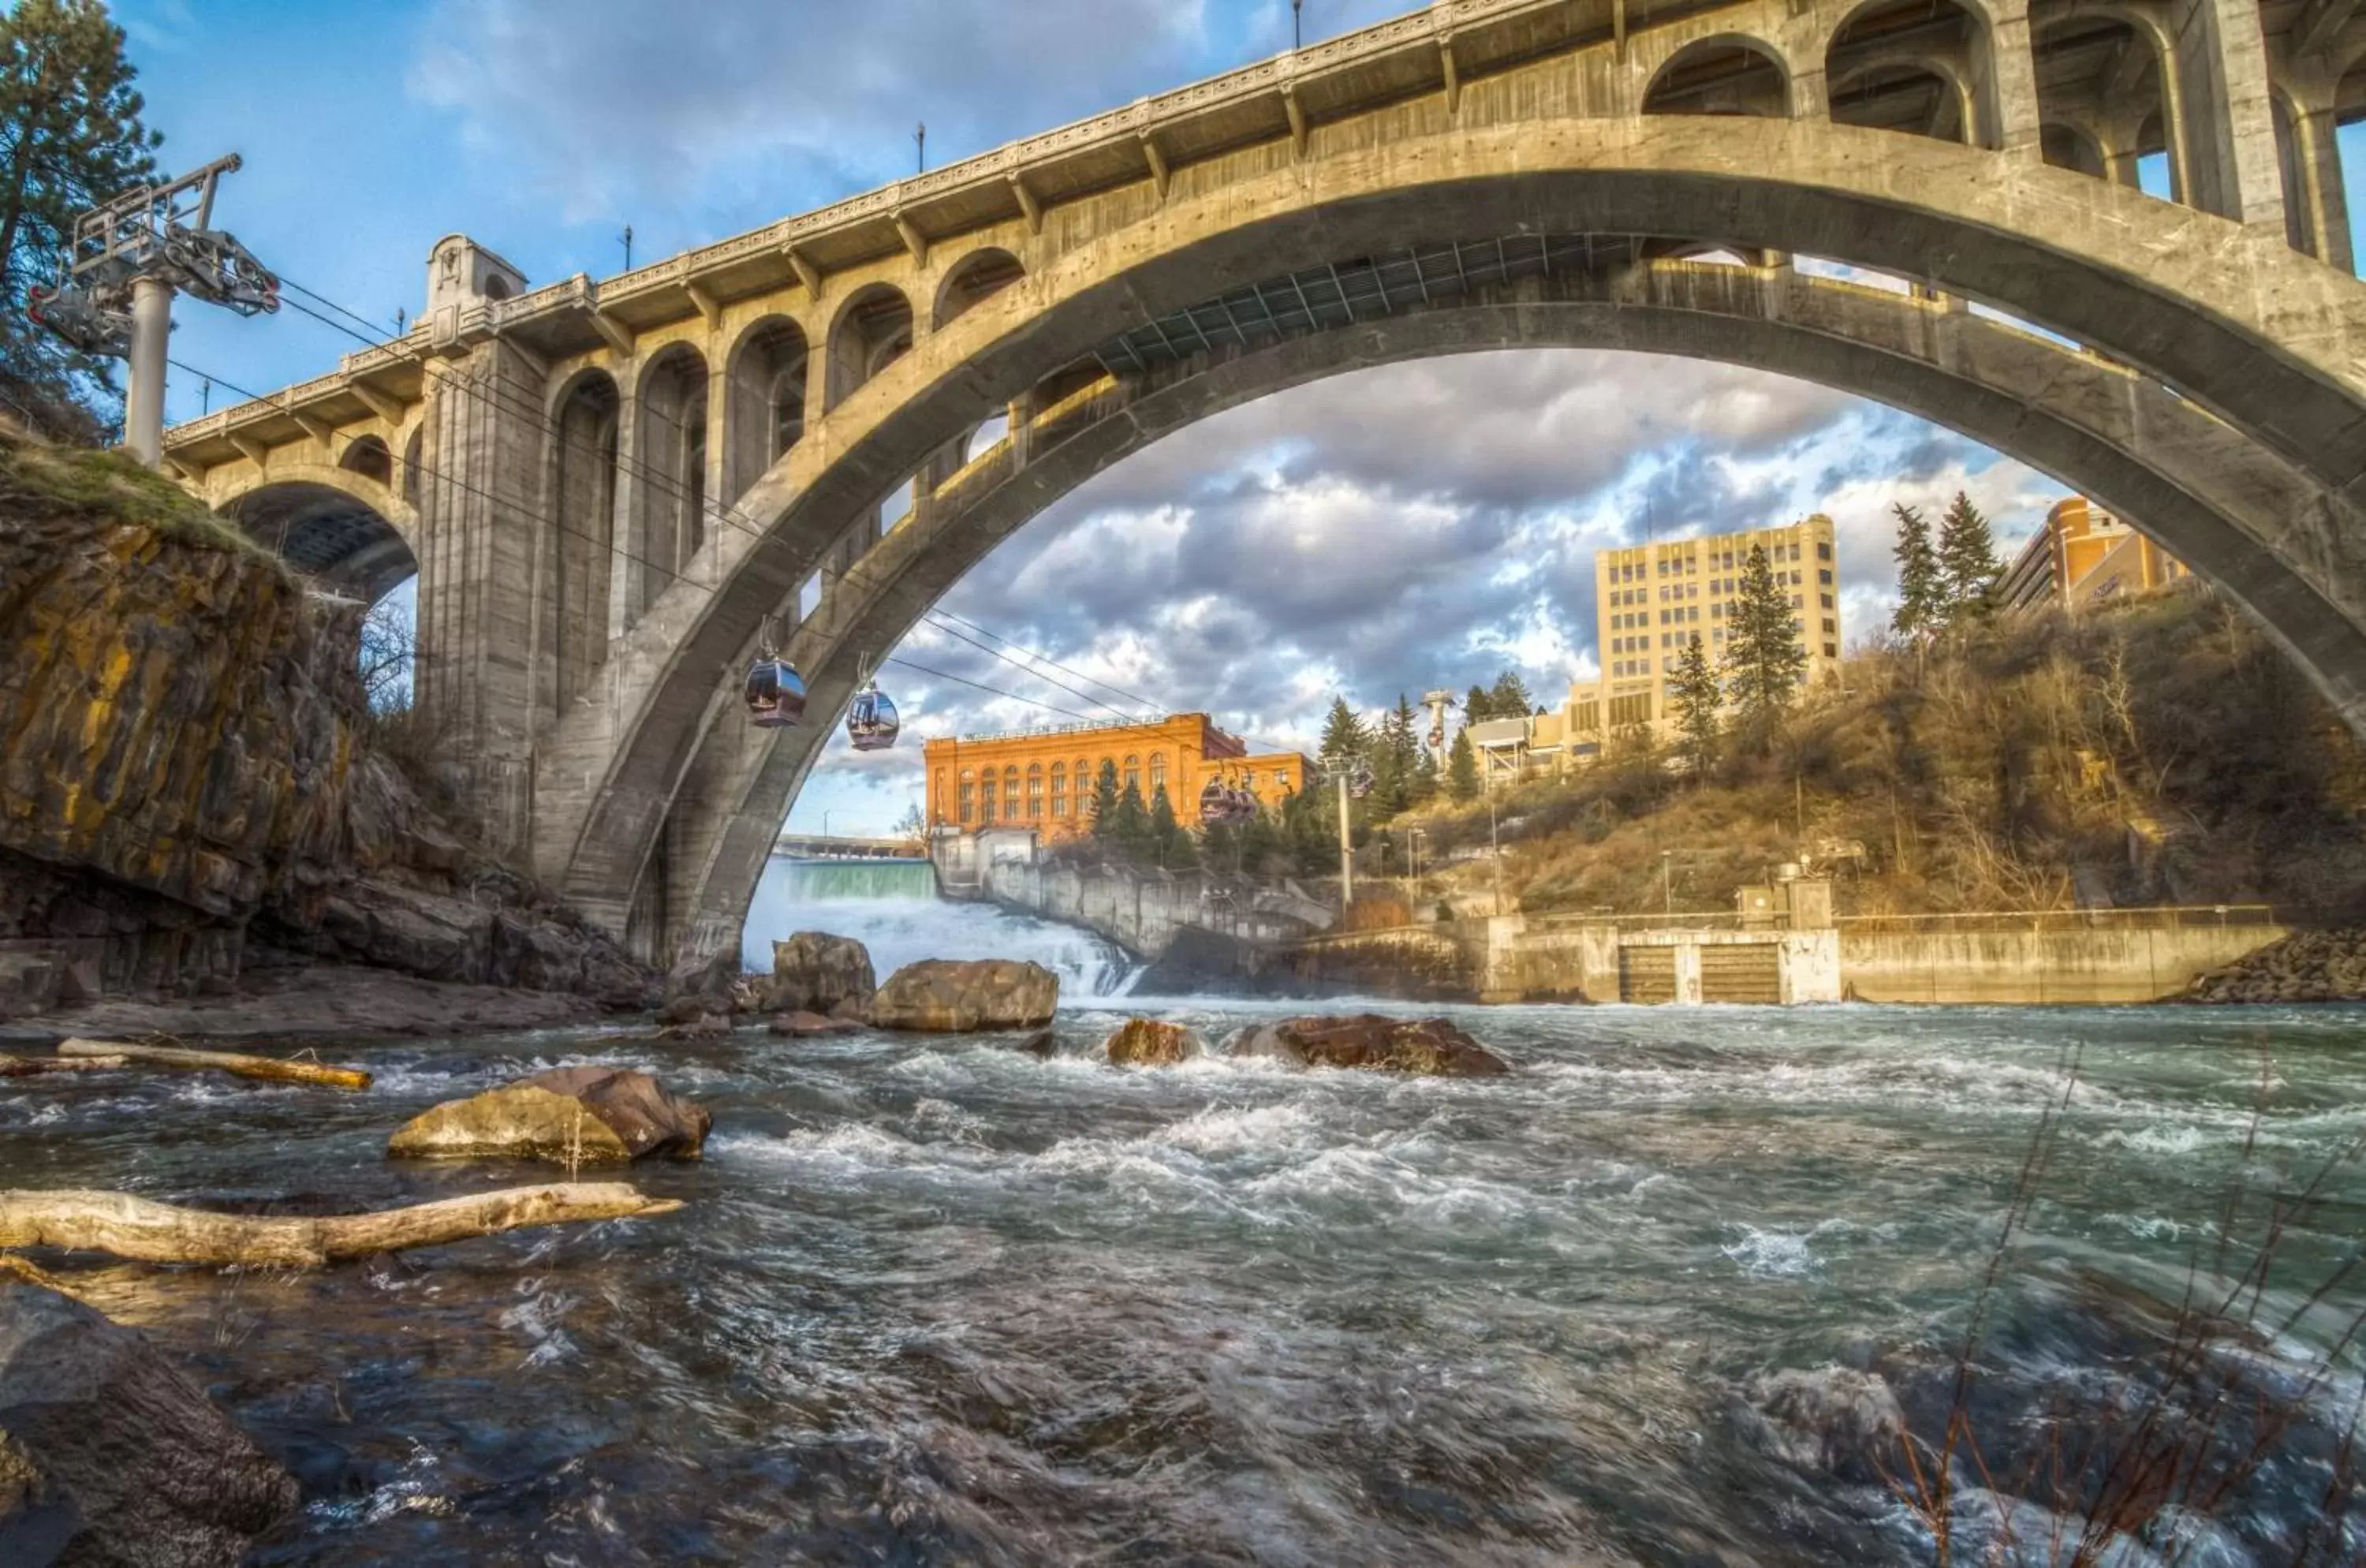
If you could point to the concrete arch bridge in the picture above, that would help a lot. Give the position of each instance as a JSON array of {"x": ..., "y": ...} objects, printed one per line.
[{"x": 607, "y": 487}]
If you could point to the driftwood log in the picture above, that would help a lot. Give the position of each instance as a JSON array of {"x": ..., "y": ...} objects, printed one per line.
[
  {"x": 162, "y": 1233},
  {"x": 276, "y": 1069},
  {"x": 29, "y": 1067}
]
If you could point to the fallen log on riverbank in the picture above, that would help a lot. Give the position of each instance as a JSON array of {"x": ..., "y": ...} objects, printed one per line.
[
  {"x": 149, "y": 1232},
  {"x": 279, "y": 1069},
  {"x": 32, "y": 1067}
]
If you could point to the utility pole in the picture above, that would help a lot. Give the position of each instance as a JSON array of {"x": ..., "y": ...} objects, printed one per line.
[
  {"x": 1667, "y": 886},
  {"x": 921, "y": 142},
  {"x": 1297, "y": 36},
  {"x": 1346, "y": 851},
  {"x": 128, "y": 257},
  {"x": 627, "y": 237}
]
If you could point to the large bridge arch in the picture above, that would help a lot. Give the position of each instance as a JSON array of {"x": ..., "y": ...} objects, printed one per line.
[
  {"x": 332, "y": 522},
  {"x": 2225, "y": 314},
  {"x": 2206, "y": 493}
]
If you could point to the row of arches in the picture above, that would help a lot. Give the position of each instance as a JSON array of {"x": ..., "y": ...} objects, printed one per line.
[
  {"x": 2109, "y": 97},
  {"x": 640, "y": 467}
]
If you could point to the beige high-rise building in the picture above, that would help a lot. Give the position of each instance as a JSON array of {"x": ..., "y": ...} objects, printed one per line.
[{"x": 1649, "y": 600}]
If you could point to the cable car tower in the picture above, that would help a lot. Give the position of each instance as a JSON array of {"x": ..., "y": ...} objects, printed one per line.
[{"x": 128, "y": 257}]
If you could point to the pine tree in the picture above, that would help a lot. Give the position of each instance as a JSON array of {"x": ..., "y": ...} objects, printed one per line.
[
  {"x": 1261, "y": 842},
  {"x": 1967, "y": 560},
  {"x": 70, "y": 124},
  {"x": 1104, "y": 806},
  {"x": 1763, "y": 657},
  {"x": 1129, "y": 823},
  {"x": 1168, "y": 842},
  {"x": 1462, "y": 767},
  {"x": 1344, "y": 735},
  {"x": 1509, "y": 698},
  {"x": 1478, "y": 707},
  {"x": 1424, "y": 778},
  {"x": 1921, "y": 592},
  {"x": 1696, "y": 695}
]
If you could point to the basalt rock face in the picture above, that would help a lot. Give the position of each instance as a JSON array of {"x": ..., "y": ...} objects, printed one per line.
[
  {"x": 109, "y": 1455},
  {"x": 187, "y": 783},
  {"x": 1429, "y": 1046},
  {"x": 946, "y": 995}
]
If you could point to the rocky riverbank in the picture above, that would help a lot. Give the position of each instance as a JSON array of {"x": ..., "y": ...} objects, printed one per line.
[
  {"x": 194, "y": 799},
  {"x": 2307, "y": 966}
]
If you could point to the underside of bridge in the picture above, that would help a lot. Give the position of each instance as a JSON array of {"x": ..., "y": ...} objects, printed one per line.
[
  {"x": 821, "y": 425},
  {"x": 339, "y": 539}
]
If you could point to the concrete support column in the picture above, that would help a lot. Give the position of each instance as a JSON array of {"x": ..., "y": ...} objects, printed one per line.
[
  {"x": 2319, "y": 220},
  {"x": 2226, "y": 123},
  {"x": 2004, "y": 83},
  {"x": 626, "y": 575},
  {"x": 720, "y": 517},
  {"x": 1687, "y": 972},
  {"x": 475, "y": 680}
]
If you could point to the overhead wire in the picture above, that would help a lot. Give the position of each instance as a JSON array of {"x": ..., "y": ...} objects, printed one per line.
[
  {"x": 669, "y": 573},
  {"x": 725, "y": 512}
]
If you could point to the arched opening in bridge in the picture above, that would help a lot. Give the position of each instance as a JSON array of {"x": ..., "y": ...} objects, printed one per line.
[
  {"x": 343, "y": 542},
  {"x": 766, "y": 414},
  {"x": 368, "y": 457},
  {"x": 2345, "y": 172},
  {"x": 989, "y": 435},
  {"x": 2099, "y": 88},
  {"x": 410, "y": 466},
  {"x": 1720, "y": 75},
  {"x": 582, "y": 531},
  {"x": 669, "y": 460},
  {"x": 980, "y": 276},
  {"x": 1917, "y": 66},
  {"x": 872, "y": 330}
]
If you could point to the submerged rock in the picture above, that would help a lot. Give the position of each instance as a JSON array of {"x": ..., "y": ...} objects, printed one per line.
[
  {"x": 109, "y": 1455},
  {"x": 816, "y": 972},
  {"x": 1431, "y": 1046},
  {"x": 1146, "y": 1043},
  {"x": 804, "y": 1025},
  {"x": 950, "y": 995},
  {"x": 598, "y": 1115}
]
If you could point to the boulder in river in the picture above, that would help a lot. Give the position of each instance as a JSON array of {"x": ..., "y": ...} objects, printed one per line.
[
  {"x": 816, "y": 972},
  {"x": 950, "y": 995},
  {"x": 803, "y": 1024},
  {"x": 599, "y": 1116},
  {"x": 1430, "y": 1046},
  {"x": 1146, "y": 1043},
  {"x": 108, "y": 1454}
]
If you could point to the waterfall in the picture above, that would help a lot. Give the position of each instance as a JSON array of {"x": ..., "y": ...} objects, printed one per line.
[{"x": 892, "y": 908}]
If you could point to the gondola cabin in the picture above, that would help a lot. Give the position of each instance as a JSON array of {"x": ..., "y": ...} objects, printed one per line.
[
  {"x": 775, "y": 693},
  {"x": 870, "y": 722}
]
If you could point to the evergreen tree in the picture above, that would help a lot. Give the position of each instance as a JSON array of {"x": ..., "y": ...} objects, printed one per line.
[
  {"x": 1967, "y": 560},
  {"x": 1169, "y": 844},
  {"x": 1462, "y": 767},
  {"x": 1921, "y": 590},
  {"x": 1763, "y": 657},
  {"x": 1479, "y": 706},
  {"x": 1344, "y": 734},
  {"x": 70, "y": 130},
  {"x": 1104, "y": 804},
  {"x": 1509, "y": 698},
  {"x": 1396, "y": 759},
  {"x": 1129, "y": 823},
  {"x": 1696, "y": 695},
  {"x": 1262, "y": 842},
  {"x": 1424, "y": 778}
]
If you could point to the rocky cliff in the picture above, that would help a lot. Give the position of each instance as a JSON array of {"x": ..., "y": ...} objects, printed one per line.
[{"x": 189, "y": 789}]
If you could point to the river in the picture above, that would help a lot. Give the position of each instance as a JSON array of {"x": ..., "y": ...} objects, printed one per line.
[{"x": 936, "y": 1301}]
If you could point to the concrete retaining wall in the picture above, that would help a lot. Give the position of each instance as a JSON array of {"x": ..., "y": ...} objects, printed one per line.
[{"x": 2134, "y": 966}]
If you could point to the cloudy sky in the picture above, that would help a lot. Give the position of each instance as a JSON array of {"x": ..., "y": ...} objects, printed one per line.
[{"x": 1382, "y": 532}]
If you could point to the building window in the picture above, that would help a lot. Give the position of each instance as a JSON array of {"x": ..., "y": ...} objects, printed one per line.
[
  {"x": 985, "y": 805},
  {"x": 1824, "y": 575},
  {"x": 1830, "y": 628},
  {"x": 1011, "y": 790},
  {"x": 1628, "y": 711},
  {"x": 968, "y": 798},
  {"x": 1133, "y": 780},
  {"x": 1157, "y": 774},
  {"x": 1035, "y": 789},
  {"x": 1059, "y": 789},
  {"x": 1831, "y": 652},
  {"x": 1823, "y": 551},
  {"x": 1827, "y": 599},
  {"x": 1795, "y": 603}
]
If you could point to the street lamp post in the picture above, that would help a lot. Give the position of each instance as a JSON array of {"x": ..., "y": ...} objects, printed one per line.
[{"x": 1667, "y": 886}]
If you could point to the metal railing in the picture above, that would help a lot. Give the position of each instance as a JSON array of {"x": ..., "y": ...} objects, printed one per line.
[{"x": 2146, "y": 916}]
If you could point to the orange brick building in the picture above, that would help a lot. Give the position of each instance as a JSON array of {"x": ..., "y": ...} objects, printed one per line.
[{"x": 1043, "y": 779}]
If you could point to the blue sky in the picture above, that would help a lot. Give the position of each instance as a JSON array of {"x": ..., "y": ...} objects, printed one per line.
[{"x": 1382, "y": 532}]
